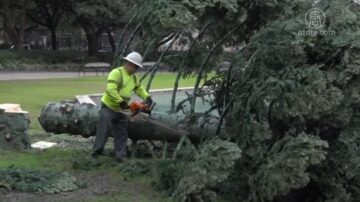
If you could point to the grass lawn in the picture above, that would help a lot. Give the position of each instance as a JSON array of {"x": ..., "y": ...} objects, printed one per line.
[{"x": 34, "y": 94}]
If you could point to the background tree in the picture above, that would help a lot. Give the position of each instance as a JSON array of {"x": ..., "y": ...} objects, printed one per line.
[
  {"x": 13, "y": 13},
  {"x": 96, "y": 17},
  {"x": 47, "y": 13}
]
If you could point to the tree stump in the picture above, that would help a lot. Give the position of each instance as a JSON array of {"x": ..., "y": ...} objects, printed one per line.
[{"x": 14, "y": 125}]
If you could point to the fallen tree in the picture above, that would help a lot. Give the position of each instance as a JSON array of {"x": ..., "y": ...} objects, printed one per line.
[{"x": 69, "y": 117}]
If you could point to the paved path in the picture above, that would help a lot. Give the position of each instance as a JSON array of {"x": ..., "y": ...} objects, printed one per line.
[{"x": 7, "y": 76}]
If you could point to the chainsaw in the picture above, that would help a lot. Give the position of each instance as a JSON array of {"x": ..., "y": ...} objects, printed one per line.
[{"x": 136, "y": 107}]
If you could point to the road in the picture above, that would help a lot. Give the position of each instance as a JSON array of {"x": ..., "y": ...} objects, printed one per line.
[{"x": 7, "y": 76}]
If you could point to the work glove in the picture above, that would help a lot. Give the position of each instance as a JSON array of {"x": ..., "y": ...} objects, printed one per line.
[
  {"x": 149, "y": 101},
  {"x": 124, "y": 105}
]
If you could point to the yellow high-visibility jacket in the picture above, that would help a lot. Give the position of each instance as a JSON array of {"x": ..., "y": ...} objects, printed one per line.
[{"x": 119, "y": 88}]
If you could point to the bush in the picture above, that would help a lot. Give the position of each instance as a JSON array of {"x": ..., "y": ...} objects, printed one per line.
[
  {"x": 27, "y": 180},
  {"x": 194, "y": 179},
  {"x": 48, "y": 60}
]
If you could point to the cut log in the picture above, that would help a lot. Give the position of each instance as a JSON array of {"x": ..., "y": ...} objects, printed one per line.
[
  {"x": 14, "y": 125},
  {"x": 81, "y": 119}
]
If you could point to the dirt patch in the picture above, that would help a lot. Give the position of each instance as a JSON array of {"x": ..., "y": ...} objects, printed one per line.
[{"x": 95, "y": 186}]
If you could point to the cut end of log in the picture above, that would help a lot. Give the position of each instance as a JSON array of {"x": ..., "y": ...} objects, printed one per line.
[{"x": 12, "y": 108}]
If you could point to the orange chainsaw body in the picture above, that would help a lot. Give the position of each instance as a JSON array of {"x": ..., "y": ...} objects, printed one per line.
[{"x": 136, "y": 107}]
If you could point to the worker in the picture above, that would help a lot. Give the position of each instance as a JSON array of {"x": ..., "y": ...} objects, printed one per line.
[{"x": 121, "y": 83}]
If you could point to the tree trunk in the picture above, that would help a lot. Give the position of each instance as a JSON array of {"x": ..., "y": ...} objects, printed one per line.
[
  {"x": 81, "y": 119},
  {"x": 53, "y": 38},
  {"x": 92, "y": 35},
  {"x": 111, "y": 40},
  {"x": 20, "y": 39},
  {"x": 93, "y": 43},
  {"x": 14, "y": 38}
]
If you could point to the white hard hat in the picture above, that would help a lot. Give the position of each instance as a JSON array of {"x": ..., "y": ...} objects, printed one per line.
[{"x": 135, "y": 58}]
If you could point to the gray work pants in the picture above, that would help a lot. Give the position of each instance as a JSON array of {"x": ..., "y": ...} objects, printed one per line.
[{"x": 114, "y": 123}]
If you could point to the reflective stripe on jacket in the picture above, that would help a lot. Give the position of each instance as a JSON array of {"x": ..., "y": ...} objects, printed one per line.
[{"x": 120, "y": 86}]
